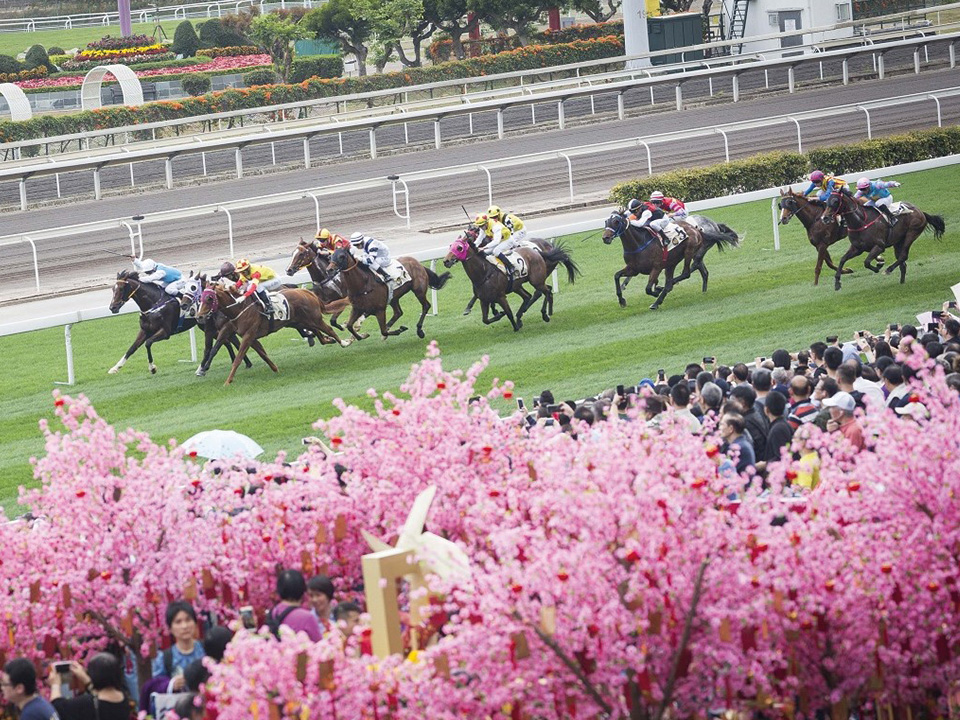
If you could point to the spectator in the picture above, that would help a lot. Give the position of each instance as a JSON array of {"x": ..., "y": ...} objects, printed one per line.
[
  {"x": 781, "y": 380},
  {"x": 882, "y": 349},
  {"x": 653, "y": 406},
  {"x": 894, "y": 387},
  {"x": 347, "y": 617},
  {"x": 692, "y": 370},
  {"x": 953, "y": 381},
  {"x": 189, "y": 707},
  {"x": 732, "y": 430},
  {"x": 108, "y": 699},
  {"x": 803, "y": 363},
  {"x": 585, "y": 413},
  {"x": 680, "y": 400},
  {"x": 951, "y": 331},
  {"x": 712, "y": 397},
  {"x": 780, "y": 431},
  {"x": 864, "y": 386},
  {"x": 908, "y": 331},
  {"x": 762, "y": 382},
  {"x": 739, "y": 375},
  {"x": 781, "y": 359},
  {"x": 842, "y": 420},
  {"x": 816, "y": 358},
  {"x": 832, "y": 359},
  {"x": 182, "y": 622},
  {"x": 802, "y": 408},
  {"x": 934, "y": 349},
  {"x": 291, "y": 587},
  {"x": 19, "y": 684},
  {"x": 808, "y": 468},
  {"x": 755, "y": 422},
  {"x": 195, "y": 675},
  {"x": 826, "y": 388},
  {"x": 216, "y": 641},
  {"x": 846, "y": 376},
  {"x": 320, "y": 596}
]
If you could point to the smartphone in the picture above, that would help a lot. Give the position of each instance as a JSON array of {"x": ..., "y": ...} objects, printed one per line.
[
  {"x": 620, "y": 390},
  {"x": 536, "y": 402},
  {"x": 246, "y": 617},
  {"x": 661, "y": 375},
  {"x": 894, "y": 327},
  {"x": 952, "y": 304},
  {"x": 62, "y": 668},
  {"x": 859, "y": 333},
  {"x": 831, "y": 339},
  {"x": 520, "y": 405},
  {"x": 937, "y": 314},
  {"x": 933, "y": 327},
  {"x": 709, "y": 360}
]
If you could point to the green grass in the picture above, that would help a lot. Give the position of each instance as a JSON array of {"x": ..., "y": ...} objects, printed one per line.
[
  {"x": 758, "y": 300},
  {"x": 14, "y": 43}
]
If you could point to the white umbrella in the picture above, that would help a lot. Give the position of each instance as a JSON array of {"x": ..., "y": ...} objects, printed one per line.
[{"x": 219, "y": 444}]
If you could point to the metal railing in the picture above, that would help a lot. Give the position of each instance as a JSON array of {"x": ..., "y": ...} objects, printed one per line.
[{"x": 201, "y": 145}]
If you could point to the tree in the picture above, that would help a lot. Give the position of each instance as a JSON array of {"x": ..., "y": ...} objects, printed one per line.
[
  {"x": 517, "y": 15},
  {"x": 185, "y": 40},
  {"x": 277, "y": 36},
  {"x": 348, "y": 23},
  {"x": 451, "y": 17},
  {"x": 598, "y": 10}
]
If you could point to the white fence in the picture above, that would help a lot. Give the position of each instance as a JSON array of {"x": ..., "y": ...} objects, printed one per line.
[{"x": 67, "y": 320}]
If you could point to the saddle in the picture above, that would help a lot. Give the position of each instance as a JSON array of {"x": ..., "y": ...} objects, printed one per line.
[
  {"x": 281, "y": 308},
  {"x": 675, "y": 234},
  {"x": 520, "y": 269},
  {"x": 901, "y": 208},
  {"x": 398, "y": 274}
]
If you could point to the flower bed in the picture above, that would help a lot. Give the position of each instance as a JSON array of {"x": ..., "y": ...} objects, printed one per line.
[
  {"x": 31, "y": 74},
  {"x": 217, "y": 66},
  {"x": 235, "y": 51},
  {"x": 120, "y": 43},
  {"x": 129, "y": 59}
]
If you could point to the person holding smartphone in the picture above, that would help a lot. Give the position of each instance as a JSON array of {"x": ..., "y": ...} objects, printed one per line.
[
  {"x": 182, "y": 622},
  {"x": 106, "y": 698}
]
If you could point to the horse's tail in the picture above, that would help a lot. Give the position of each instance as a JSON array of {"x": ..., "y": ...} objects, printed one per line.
[
  {"x": 723, "y": 239},
  {"x": 436, "y": 281},
  {"x": 727, "y": 229},
  {"x": 559, "y": 255},
  {"x": 936, "y": 222},
  {"x": 334, "y": 307}
]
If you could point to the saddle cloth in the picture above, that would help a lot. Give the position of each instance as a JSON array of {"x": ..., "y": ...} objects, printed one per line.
[
  {"x": 398, "y": 274},
  {"x": 520, "y": 269},
  {"x": 675, "y": 234},
  {"x": 901, "y": 208},
  {"x": 281, "y": 309}
]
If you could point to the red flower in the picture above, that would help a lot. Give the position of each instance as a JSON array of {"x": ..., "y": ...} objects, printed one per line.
[{"x": 58, "y": 402}]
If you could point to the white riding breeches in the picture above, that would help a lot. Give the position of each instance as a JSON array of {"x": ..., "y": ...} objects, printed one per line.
[
  {"x": 660, "y": 225},
  {"x": 504, "y": 246},
  {"x": 883, "y": 202},
  {"x": 271, "y": 285},
  {"x": 518, "y": 236}
]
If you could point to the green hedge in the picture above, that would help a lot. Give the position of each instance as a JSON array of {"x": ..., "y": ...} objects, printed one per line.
[
  {"x": 771, "y": 169},
  {"x": 115, "y": 116},
  {"x": 266, "y": 76},
  {"x": 195, "y": 84},
  {"x": 321, "y": 66}
]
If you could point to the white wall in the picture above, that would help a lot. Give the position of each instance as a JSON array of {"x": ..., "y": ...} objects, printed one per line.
[{"x": 813, "y": 13}]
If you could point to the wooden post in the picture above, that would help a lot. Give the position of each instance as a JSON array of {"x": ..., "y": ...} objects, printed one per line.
[
  {"x": 381, "y": 570},
  {"x": 553, "y": 17}
]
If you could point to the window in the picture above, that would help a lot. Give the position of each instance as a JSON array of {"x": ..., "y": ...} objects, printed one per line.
[
  {"x": 843, "y": 12},
  {"x": 774, "y": 19}
]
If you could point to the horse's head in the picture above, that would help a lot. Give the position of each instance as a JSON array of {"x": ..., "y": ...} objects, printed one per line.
[
  {"x": 342, "y": 259},
  {"x": 305, "y": 254},
  {"x": 459, "y": 250},
  {"x": 788, "y": 206},
  {"x": 190, "y": 294},
  {"x": 614, "y": 227},
  {"x": 207, "y": 302},
  {"x": 123, "y": 289},
  {"x": 834, "y": 206}
]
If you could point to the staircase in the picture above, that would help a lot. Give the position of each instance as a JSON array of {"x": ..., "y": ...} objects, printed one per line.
[{"x": 738, "y": 21}]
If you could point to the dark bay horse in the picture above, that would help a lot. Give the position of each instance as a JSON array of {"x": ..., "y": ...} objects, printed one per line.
[
  {"x": 159, "y": 314},
  {"x": 870, "y": 233},
  {"x": 644, "y": 255},
  {"x": 821, "y": 235},
  {"x": 316, "y": 260},
  {"x": 491, "y": 286},
  {"x": 369, "y": 295},
  {"x": 306, "y": 311}
]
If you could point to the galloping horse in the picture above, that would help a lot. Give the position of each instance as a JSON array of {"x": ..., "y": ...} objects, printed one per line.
[
  {"x": 870, "y": 233},
  {"x": 490, "y": 285},
  {"x": 821, "y": 235},
  {"x": 159, "y": 314},
  {"x": 305, "y": 311},
  {"x": 472, "y": 232},
  {"x": 327, "y": 286},
  {"x": 369, "y": 295},
  {"x": 644, "y": 255}
]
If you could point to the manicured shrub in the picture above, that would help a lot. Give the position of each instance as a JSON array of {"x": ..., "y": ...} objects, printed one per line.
[
  {"x": 195, "y": 84},
  {"x": 260, "y": 77},
  {"x": 56, "y": 50},
  {"x": 10, "y": 64},
  {"x": 320, "y": 66},
  {"x": 236, "y": 51},
  {"x": 214, "y": 34},
  {"x": 37, "y": 57},
  {"x": 185, "y": 40}
]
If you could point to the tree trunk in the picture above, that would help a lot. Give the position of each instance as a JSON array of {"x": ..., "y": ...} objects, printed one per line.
[{"x": 458, "y": 51}]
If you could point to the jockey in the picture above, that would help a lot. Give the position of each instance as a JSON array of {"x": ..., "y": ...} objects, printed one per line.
[
  {"x": 642, "y": 214},
  {"x": 257, "y": 279},
  {"x": 163, "y": 275},
  {"x": 497, "y": 239},
  {"x": 826, "y": 184},
  {"x": 878, "y": 196},
  {"x": 331, "y": 241},
  {"x": 513, "y": 223},
  {"x": 674, "y": 208},
  {"x": 373, "y": 253}
]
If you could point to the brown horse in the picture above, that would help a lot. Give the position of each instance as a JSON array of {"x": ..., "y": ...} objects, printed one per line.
[
  {"x": 491, "y": 286},
  {"x": 870, "y": 233},
  {"x": 644, "y": 255},
  {"x": 305, "y": 311},
  {"x": 316, "y": 260},
  {"x": 821, "y": 235},
  {"x": 369, "y": 295}
]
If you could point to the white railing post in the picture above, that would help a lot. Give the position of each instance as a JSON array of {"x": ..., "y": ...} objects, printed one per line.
[
  {"x": 373, "y": 143},
  {"x": 560, "y": 115},
  {"x": 394, "y": 181},
  {"x": 867, "y": 113},
  {"x": 96, "y": 183},
  {"x": 489, "y": 184},
  {"x": 679, "y": 93},
  {"x": 433, "y": 290},
  {"x": 168, "y": 171},
  {"x": 649, "y": 156},
  {"x": 726, "y": 144},
  {"x": 799, "y": 138},
  {"x": 939, "y": 117},
  {"x": 23, "y": 193},
  {"x": 569, "y": 173},
  {"x": 846, "y": 72},
  {"x": 306, "y": 153},
  {"x": 68, "y": 346},
  {"x": 239, "y": 160},
  {"x": 791, "y": 79},
  {"x": 499, "y": 124},
  {"x": 316, "y": 207},
  {"x": 436, "y": 133},
  {"x": 36, "y": 265},
  {"x": 776, "y": 223},
  {"x": 736, "y": 88},
  {"x": 226, "y": 212},
  {"x": 620, "y": 108}
]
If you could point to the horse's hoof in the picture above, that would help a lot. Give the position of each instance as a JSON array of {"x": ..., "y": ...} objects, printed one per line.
[
  {"x": 466, "y": 312},
  {"x": 345, "y": 342},
  {"x": 153, "y": 369},
  {"x": 201, "y": 372},
  {"x": 402, "y": 328},
  {"x": 847, "y": 271},
  {"x": 311, "y": 342},
  {"x": 546, "y": 318},
  {"x": 364, "y": 336},
  {"x": 113, "y": 371},
  {"x": 623, "y": 303},
  {"x": 420, "y": 333},
  {"x": 654, "y": 307}
]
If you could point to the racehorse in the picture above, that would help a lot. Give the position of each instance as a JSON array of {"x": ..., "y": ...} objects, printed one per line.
[
  {"x": 821, "y": 235},
  {"x": 159, "y": 314},
  {"x": 473, "y": 232},
  {"x": 305, "y": 311},
  {"x": 327, "y": 286},
  {"x": 870, "y": 233},
  {"x": 491, "y": 286},
  {"x": 368, "y": 295},
  {"x": 644, "y": 255}
]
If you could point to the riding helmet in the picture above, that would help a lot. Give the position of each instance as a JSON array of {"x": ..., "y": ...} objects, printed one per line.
[
  {"x": 357, "y": 238},
  {"x": 863, "y": 183},
  {"x": 634, "y": 205},
  {"x": 481, "y": 221},
  {"x": 243, "y": 264},
  {"x": 148, "y": 266},
  {"x": 817, "y": 176},
  {"x": 227, "y": 269},
  {"x": 656, "y": 196},
  {"x": 494, "y": 211},
  {"x": 323, "y": 234}
]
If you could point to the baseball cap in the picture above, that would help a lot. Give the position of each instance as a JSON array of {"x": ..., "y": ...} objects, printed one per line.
[{"x": 842, "y": 400}]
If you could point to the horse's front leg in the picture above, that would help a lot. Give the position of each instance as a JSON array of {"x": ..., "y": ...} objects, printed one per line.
[
  {"x": 619, "y": 287},
  {"x": 667, "y": 287},
  {"x": 227, "y": 335},
  {"x": 241, "y": 353},
  {"x": 140, "y": 339},
  {"x": 263, "y": 354},
  {"x": 852, "y": 252},
  {"x": 875, "y": 251},
  {"x": 652, "y": 288},
  {"x": 161, "y": 334},
  {"x": 469, "y": 307},
  {"x": 517, "y": 323},
  {"x": 528, "y": 299},
  {"x": 351, "y": 325}
]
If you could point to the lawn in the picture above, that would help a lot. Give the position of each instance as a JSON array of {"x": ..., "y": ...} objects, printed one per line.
[
  {"x": 14, "y": 43},
  {"x": 758, "y": 300}
]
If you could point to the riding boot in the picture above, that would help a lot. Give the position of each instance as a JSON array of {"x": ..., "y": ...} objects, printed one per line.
[
  {"x": 265, "y": 302},
  {"x": 508, "y": 266},
  {"x": 663, "y": 239},
  {"x": 383, "y": 274},
  {"x": 891, "y": 220}
]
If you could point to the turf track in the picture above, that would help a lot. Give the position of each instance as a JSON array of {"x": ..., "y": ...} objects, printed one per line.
[{"x": 758, "y": 300}]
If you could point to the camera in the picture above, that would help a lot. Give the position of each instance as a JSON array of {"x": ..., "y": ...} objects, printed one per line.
[
  {"x": 937, "y": 314},
  {"x": 952, "y": 304},
  {"x": 894, "y": 327},
  {"x": 859, "y": 333}
]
